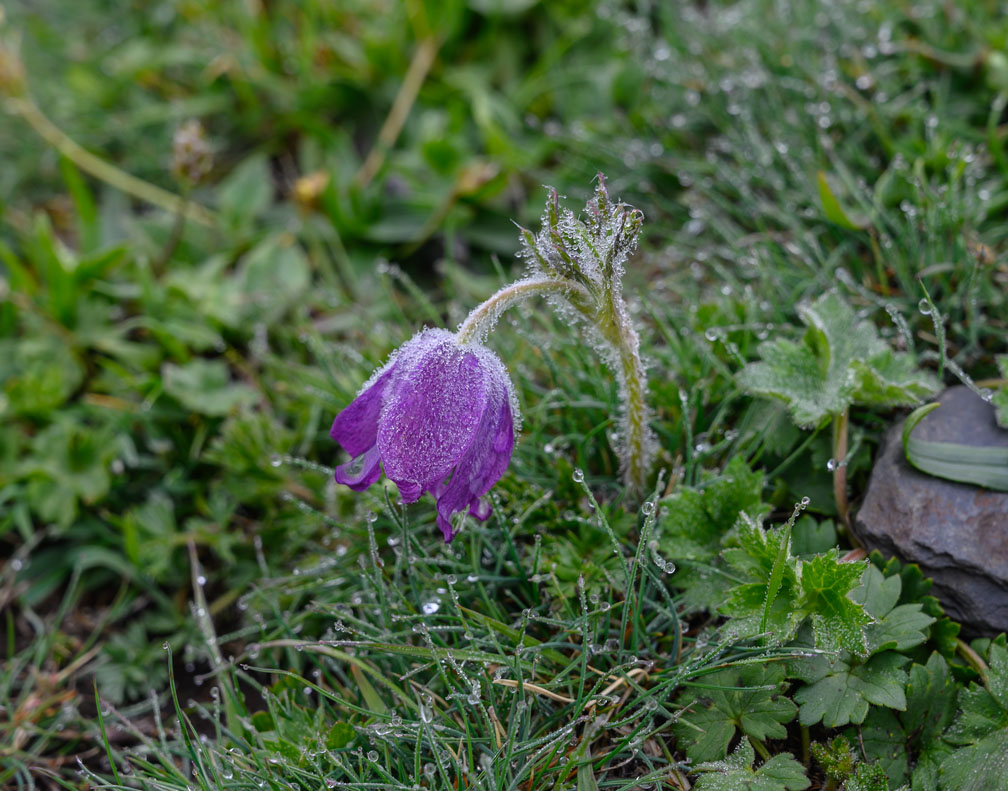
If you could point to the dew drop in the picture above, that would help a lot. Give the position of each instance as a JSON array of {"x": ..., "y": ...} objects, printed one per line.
[
  {"x": 276, "y": 460},
  {"x": 832, "y": 464},
  {"x": 430, "y": 607},
  {"x": 648, "y": 507},
  {"x": 805, "y": 501},
  {"x": 924, "y": 307},
  {"x": 578, "y": 476}
]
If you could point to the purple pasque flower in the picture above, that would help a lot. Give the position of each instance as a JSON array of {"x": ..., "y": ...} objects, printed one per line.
[{"x": 440, "y": 416}]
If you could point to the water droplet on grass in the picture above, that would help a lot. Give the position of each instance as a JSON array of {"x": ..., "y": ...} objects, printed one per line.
[{"x": 578, "y": 476}]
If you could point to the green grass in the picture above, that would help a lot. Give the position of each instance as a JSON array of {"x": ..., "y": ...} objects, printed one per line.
[{"x": 166, "y": 389}]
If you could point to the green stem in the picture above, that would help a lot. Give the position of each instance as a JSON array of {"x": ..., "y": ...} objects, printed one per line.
[
  {"x": 482, "y": 318},
  {"x": 764, "y": 753},
  {"x": 840, "y": 424},
  {"x": 102, "y": 170}
]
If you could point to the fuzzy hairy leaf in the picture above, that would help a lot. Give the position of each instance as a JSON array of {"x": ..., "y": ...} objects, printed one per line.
[
  {"x": 777, "y": 595},
  {"x": 838, "y": 621},
  {"x": 840, "y": 361},
  {"x": 694, "y": 522}
]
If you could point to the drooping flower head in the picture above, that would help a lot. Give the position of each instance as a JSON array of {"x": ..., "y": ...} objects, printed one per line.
[{"x": 440, "y": 416}]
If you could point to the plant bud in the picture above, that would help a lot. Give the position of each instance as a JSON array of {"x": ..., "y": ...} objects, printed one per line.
[{"x": 192, "y": 157}]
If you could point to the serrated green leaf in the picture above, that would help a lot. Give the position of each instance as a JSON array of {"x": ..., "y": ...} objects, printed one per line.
[
  {"x": 37, "y": 374},
  {"x": 735, "y": 773},
  {"x": 932, "y": 700},
  {"x": 838, "y": 621},
  {"x": 883, "y": 740},
  {"x": 841, "y": 361},
  {"x": 867, "y": 777},
  {"x": 901, "y": 627},
  {"x": 694, "y": 522},
  {"x": 764, "y": 604},
  {"x": 979, "y": 767},
  {"x": 840, "y": 693},
  {"x": 751, "y": 702}
]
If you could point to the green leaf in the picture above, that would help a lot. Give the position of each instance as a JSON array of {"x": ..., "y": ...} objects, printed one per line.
[
  {"x": 834, "y": 210},
  {"x": 867, "y": 777},
  {"x": 811, "y": 537},
  {"x": 340, "y": 735},
  {"x": 837, "y": 620},
  {"x": 69, "y": 463},
  {"x": 839, "y": 693},
  {"x": 982, "y": 766},
  {"x": 751, "y": 701},
  {"x": 274, "y": 276},
  {"x": 694, "y": 522},
  {"x": 205, "y": 387},
  {"x": 885, "y": 744},
  {"x": 932, "y": 699},
  {"x": 37, "y": 374},
  {"x": 901, "y": 627},
  {"x": 978, "y": 465},
  {"x": 835, "y": 757},
  {"x": 262, "y": 721},
  {"x": 371, "y": 697},
  {"x": 735, "y": 773},
  {"x": 841, "y": 361},
  {"x": 247, "y": 191}
]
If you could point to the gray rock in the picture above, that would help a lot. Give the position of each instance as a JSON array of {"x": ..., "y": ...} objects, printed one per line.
[{"x": 957, "y": 533}]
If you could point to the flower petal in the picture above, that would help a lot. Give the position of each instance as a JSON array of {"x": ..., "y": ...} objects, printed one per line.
[
  {"x": 361, "y": 471},
  {"x": 432, "y": 411},
  {"x": 484, "y": 461},
  {"x": 356, "y": 427}
]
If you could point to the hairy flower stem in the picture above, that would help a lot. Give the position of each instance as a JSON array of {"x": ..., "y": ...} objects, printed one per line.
[
  {"x": 482, "y": 318},
  {"x": 609, "y": 317},
  {"x": 619, "y": 332}
]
